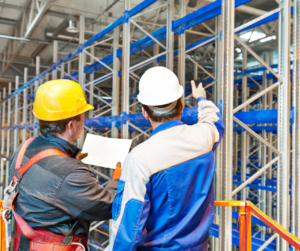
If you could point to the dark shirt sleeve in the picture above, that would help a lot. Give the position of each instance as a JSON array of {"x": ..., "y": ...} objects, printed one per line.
[{"x": 81, "y": 196}]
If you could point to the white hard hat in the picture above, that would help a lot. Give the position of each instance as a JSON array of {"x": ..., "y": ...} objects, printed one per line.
[{"x": 159, "y": 86}]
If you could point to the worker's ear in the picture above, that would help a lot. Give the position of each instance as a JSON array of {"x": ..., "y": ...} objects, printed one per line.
[
  {"x": 181, "y": 106},
  {"x": 145, "y": 114},
  {"x": 70, "y": 126}
]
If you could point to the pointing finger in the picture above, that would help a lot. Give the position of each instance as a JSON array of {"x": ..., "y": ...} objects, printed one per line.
[{"x": 193, "y": 84}]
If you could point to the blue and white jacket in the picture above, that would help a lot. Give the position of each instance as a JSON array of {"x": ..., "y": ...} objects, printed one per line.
[{"x": 165, "y": 197}]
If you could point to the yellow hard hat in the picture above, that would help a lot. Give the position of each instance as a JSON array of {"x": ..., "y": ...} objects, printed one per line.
[{"x": 59, "y": 99}]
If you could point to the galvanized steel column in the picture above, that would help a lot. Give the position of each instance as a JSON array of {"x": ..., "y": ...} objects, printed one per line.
[
  {"x": 283, "y": 128},
  {"x": 25, "y": 105},
  {"x": 225, "y": 186},
  {"x": 91, "y": 94},
  {"x": 116, "y": 82},
  {"x": 125, "y": 70},
  {"x": 81, "y": 54},
  {"x": 55, "y": 58},
  {"x": 270, "y": 152},
  {"x": 244, "y": 133},
  {"x": 16, "y": 114},
  {"x": 217, "y": 96},
  {"x": 3, "y": 122},
  {"x": 31, "y": 117},
  {"x": 181, "y": 47},
  {"x": 81, "y": 63},
  {"x": 2, "y": 143},
  {"x": 8, "y": 143},
  {"x": 62, "y": 70},
  {"x": 36, "y": 85},
  {"x": 170, "y": 36},
  {"x": 155, "y": 52},
  {"x": 263, "y": 149},
  {"x": 69, "y": 68},
  {"x": 296, "y": 126}
]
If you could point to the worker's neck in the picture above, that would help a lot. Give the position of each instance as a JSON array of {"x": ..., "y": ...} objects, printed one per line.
[
  {"x": 155, "y": 124},
  {"x": 65, "y": 137}
]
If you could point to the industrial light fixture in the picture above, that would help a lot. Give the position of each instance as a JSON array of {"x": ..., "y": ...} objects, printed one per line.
[
  {"x": 253, "y": 36},
  {"x": 268, "y": 39},
  {"x": 72, "y": 26}
]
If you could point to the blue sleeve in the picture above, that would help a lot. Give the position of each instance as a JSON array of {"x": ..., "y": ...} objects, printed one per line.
[
  {"x": 131, "y": 207},
  {"x": 131, "y": 232}
]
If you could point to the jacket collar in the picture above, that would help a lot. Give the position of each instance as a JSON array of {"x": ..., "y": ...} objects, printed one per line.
[
  {"x": 166, "y": 125},
  {"x": 67, "y": 147}
]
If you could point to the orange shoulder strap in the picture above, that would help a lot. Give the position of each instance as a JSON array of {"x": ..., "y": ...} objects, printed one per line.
[
  {"x": 27, "y": 231},
  {"x": 39, "y": 156}
]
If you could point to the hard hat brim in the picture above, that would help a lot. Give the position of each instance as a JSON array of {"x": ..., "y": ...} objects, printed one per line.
[
  {"x": 167, "y": 101},
  {"x": 81, "y": 110}
]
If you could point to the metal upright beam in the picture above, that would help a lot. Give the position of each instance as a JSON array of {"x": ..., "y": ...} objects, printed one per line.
[
  {"x": 69, "y": 68},
  {"x": 155, "y": 52},
  {"x": 218, "y": 61},
  {"x": 81, "y": 54},
  {"x": 270, "y": 139},
  {"x": 244, "y": 133},
  {"x": 283, "y": 124},
  {"x": 16, "y": 115},
  {"x": 92, "y": 78},
  {"x": 36, "y": 85},
  {"x": 116, "y": 81},
  {"x": 81, "y": 63},
  {"x": 181, "y": 47},
  {"x": 296, "y": 126},
  {"x": 31, "y": 117},
  {"x": 263, "y": 149},
  {"x": 8, "y": 143},
  {"x": 55, "y": 58},
  {"x": 62, "y": 70},
  {"x": 225, "y": 186},
  {"x": 170, "y": 36},
  {"x": 217, "y": 97},
  {"x": 25, "y": 105},
  {"x": 3, "y": 141},
  {"x": 3, "y": 122},
  {"x": 125, "y": 71},
  {"x": 1, "y": 155}
]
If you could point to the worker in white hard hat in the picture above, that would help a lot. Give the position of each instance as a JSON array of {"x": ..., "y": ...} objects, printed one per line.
[{"x": 165, "y": 197}]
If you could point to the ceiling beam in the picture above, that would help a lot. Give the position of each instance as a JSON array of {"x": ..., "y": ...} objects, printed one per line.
[
  {"x": 9, "y": 52},
  {"x": 25, "y": 39},
  {"x": 38, "y": 18}
]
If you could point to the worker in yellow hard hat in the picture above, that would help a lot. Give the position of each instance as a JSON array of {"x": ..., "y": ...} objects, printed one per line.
[{"x": 58, "y": 196}]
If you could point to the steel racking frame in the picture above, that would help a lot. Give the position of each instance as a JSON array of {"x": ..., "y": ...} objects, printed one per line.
[{"x": 271, "y": 142}]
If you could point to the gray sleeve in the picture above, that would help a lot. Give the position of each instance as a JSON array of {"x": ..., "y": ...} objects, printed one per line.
[
  {"x": 84, "y": 198},
  {"x": 112, "y": 186}
]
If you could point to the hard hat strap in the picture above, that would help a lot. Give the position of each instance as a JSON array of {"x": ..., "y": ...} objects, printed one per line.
[{"x": 162, "y": 110}]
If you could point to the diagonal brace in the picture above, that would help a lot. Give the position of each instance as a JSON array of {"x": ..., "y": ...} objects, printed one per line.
[
  {"x": 259, "y": 59},
  {"x": 255, "y": 135}
]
